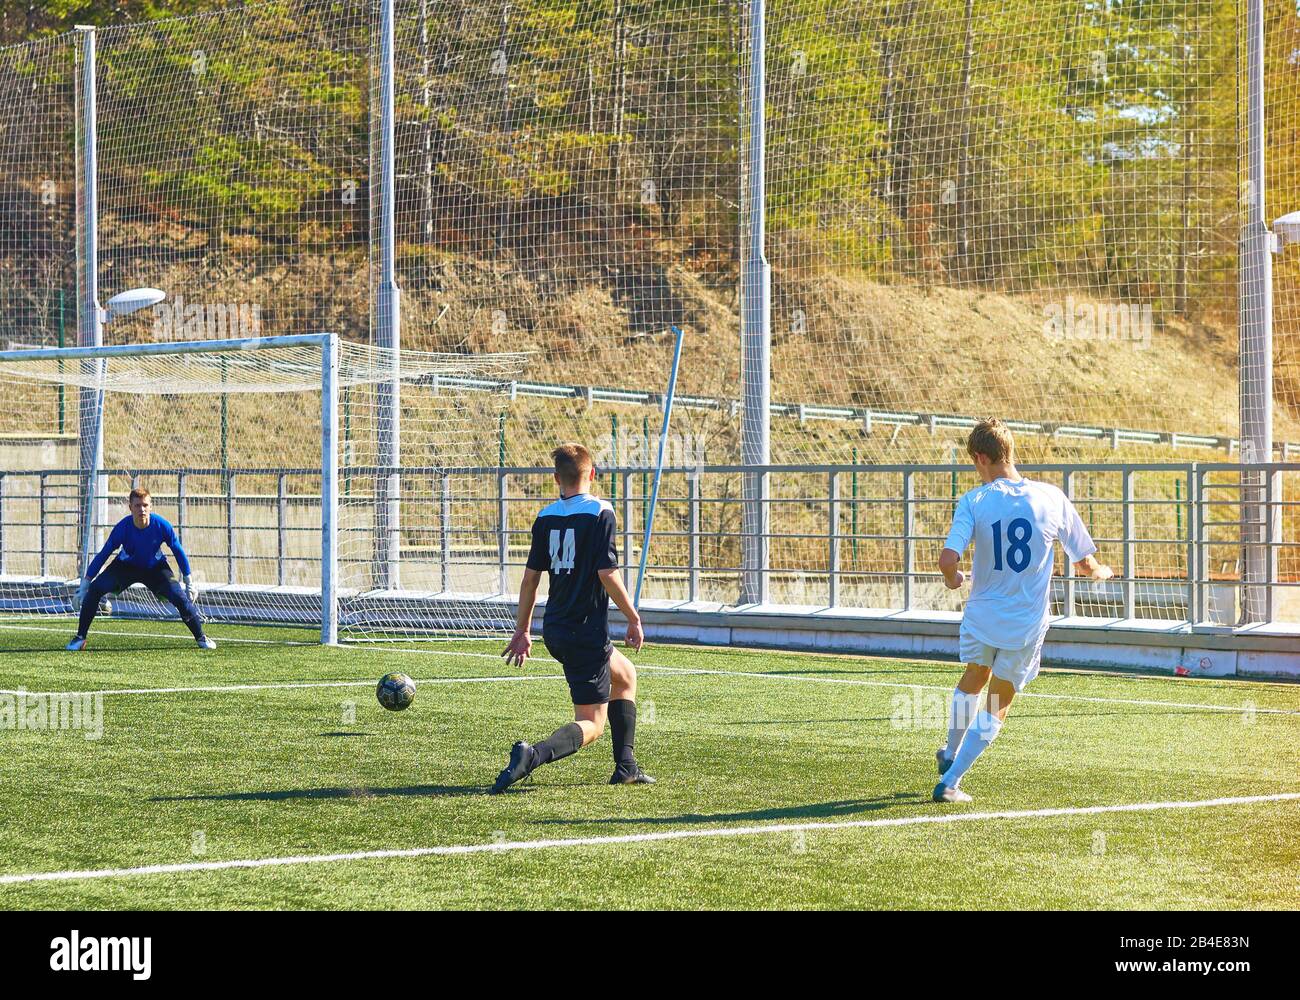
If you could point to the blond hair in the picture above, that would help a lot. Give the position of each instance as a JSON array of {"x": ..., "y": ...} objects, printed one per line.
[
  {"x": 139, "y": 493},
  {"x": 572, "y": 464},
  {"x": 992, "y": 439}
]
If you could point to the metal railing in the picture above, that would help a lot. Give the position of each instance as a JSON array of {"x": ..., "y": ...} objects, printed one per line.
[
  {"x": 865, "y": 416},
  {"x": 840, "y": 536}
]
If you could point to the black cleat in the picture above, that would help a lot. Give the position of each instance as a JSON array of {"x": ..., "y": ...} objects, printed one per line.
[
  {"x": 521, "y": 762},
  {"x": 630, "y": 776}
]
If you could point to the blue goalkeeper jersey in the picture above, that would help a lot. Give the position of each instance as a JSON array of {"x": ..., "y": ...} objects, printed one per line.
[{"x": 141, "y": 547}]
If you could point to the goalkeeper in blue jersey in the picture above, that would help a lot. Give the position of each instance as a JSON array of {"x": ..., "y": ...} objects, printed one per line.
[{"x": 138, "y": 542}]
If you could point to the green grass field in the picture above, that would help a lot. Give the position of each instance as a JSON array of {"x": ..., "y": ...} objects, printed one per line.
[{"x": 785, "y": 780}]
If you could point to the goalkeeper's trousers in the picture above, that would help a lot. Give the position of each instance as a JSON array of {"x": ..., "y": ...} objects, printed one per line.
[{"x": 159, "y": 579}]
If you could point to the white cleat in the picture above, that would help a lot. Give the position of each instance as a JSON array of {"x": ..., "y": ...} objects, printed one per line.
[
  {"x": 206, "y": 643},
  {"x": 76, "y": 645},
  {"x": 106, "y": 606},
  {"x": 942, "y": 793}
]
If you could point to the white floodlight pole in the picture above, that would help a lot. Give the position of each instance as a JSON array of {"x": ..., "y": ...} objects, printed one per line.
[
  {"x": 1255, "y": 294},
  {"x": 388, "y": 329},
  {"x": 329, "y": 490},
  {"x": 756, "y": 330},
  {"x": 90, "y": 320}
]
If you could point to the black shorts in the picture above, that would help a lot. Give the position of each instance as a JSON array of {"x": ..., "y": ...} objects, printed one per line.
[
  {"x": 584, "y": 655},
  {"x": 121, "y": 574}
]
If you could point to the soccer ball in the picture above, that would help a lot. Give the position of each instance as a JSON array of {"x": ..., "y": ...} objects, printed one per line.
[{"x": 395, "y": 692}]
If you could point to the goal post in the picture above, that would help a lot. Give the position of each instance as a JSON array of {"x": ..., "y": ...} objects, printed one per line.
[
  {"x": 329, "y": 491},
  {"x": 305, "y": 438}
]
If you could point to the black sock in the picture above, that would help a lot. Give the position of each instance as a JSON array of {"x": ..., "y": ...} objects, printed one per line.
[
  {"x": 622, "y": 726},
  {"x": 564, "y": 741},
  {"x": 89, "y": 608}
]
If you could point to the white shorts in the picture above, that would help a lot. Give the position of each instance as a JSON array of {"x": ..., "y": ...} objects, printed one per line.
[{"x": 1015, "y": 666}]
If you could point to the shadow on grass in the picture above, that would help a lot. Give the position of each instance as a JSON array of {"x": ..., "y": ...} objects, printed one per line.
[
  {"x": 367, "y": 792},
  {"x": 106, "y": 647},
  {"x": 815, "y": 671},
  {"x": 1230, "y": 713},
  {"x": 818, "y": 810},
  {"x": 800, "y": 722},
  {"x": 431, "y": 791}
]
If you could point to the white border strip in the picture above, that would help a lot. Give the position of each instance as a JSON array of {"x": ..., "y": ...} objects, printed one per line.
[{"x": 636, "y": 838}]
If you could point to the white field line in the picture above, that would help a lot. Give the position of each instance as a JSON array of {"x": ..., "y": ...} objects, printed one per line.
[
  {"x": 853, "y": 682},
  {"x": 639, "y": 838}
]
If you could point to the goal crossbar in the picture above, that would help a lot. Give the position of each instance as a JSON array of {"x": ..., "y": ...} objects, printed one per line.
[{"x": 320, "y": 340}]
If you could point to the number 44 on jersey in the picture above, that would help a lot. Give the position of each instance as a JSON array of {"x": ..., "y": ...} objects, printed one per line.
[{"x": 562, "y": 551}]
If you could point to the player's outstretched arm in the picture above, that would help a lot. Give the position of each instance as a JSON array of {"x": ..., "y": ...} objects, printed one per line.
[
  {"x": 949, "y": 560},
  {"x": 1090, "y": 567},
  {"x": 520, "y": 646},
  {"x": 612, "y": 580}
]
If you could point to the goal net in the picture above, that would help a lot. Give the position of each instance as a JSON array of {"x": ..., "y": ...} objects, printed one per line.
[{"x": 264, "y": 454}]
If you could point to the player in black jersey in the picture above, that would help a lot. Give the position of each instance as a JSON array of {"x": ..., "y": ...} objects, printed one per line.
[{"x": 574, "y": 542}]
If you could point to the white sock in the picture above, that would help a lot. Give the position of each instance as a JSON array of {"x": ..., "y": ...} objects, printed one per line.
[
  {"x": 960, "y": 716},
  {"x": 982, "y": 733}
]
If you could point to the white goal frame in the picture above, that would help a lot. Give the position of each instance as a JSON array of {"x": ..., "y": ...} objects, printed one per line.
[{"x": 328, "y": 343}]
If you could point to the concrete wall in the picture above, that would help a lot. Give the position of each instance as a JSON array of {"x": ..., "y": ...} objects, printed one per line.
[{"x": 1133, "y": 645}]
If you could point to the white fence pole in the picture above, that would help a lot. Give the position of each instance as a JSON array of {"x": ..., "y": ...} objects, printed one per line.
[
  {"x": 1255, "y": 293},
  {"x": 388, "y": 328},
  {"x": 90, "y": 322},
  {"x": 756, "y": 332}
]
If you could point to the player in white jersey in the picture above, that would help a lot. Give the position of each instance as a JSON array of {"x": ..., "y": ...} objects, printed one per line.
[{"x": 1013, "y": 522}]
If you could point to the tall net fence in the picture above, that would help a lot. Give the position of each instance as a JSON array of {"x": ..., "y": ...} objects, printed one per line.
[
  {"x": 983, "y": 206},
  {"x": 1282, "y": 178},
  {"x": 38, "y": 193},
  {"x": 567, "y": 184},
  {"x": 233, "y": 171},
  {"x": 973, "y": 207}
]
